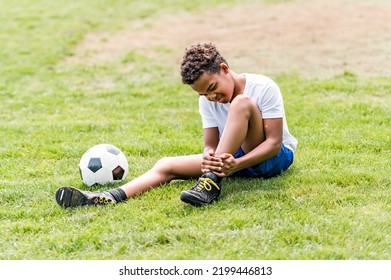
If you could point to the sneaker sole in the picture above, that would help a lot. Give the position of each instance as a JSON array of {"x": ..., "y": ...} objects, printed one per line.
[
  {"x": 70, "y": 197},
  {"x": 194, "y": 201}
]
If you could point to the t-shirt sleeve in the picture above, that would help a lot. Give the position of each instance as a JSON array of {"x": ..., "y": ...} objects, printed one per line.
[
  {"x": 208, "y": 120},
  {"x": 271, "y": 102}
]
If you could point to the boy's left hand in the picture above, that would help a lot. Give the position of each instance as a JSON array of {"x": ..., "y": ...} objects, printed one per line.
[{"x": 229, "y": 165}]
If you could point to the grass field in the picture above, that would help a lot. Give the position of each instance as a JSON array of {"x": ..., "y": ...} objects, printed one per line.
[{"x": 334, "y": 203}]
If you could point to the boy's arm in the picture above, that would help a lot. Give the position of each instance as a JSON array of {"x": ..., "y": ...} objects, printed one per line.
[{"x": 211, "y": 139}]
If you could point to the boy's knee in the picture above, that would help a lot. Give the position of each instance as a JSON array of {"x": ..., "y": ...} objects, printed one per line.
[
  {"x": 163, "y": 162},
  {"x": 164, "y": 165},
  {"x": 242, "y": 103}
]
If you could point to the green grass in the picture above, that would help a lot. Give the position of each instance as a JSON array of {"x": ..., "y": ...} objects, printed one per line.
[{"x": 334, "y": 202}]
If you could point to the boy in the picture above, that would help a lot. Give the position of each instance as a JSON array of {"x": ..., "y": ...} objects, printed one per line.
[{"x": 245, "y": 134}]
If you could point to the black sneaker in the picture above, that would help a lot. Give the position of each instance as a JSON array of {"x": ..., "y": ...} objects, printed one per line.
[
  {"x": 205, "y": 191},
  {"x": 72, "y": 197}
]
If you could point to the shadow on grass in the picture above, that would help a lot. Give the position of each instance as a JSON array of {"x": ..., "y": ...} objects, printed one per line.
[{"x": 239, "y": 185}]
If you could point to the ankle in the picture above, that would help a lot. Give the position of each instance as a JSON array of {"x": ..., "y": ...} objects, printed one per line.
[
  {"x": 213, "y": 176},
  {"x": 118, "y": 194}
]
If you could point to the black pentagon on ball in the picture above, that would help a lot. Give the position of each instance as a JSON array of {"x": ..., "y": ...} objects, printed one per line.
[
  {"x": 94, "y": 164},
  {"x": 113, "y": 150},
  {"x": 118, "y": 173}
]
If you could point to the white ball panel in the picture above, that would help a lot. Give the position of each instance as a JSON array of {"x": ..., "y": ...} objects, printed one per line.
[
  {"x": 88, "y": 176},
  {"x": 109, "y": 160},
  {"x": 103, "y": 176},
  {"x": 122, "y": 160},
  {"x": 84, "y": 161}
]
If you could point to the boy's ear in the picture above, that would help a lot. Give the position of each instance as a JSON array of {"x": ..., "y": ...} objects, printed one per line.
[{"x": 224, "y": 67}]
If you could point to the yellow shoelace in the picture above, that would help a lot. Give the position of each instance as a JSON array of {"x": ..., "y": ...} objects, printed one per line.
[{"x": 205, "y": 183}]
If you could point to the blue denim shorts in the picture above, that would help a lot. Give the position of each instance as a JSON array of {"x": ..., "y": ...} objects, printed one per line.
[{"x": 269, "y": 168}]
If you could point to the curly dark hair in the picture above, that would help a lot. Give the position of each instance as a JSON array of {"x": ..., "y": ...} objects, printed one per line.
[{"x": 198, "y": 59}]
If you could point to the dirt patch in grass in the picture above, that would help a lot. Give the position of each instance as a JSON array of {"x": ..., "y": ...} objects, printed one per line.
[{"x": 309, "y": 38}]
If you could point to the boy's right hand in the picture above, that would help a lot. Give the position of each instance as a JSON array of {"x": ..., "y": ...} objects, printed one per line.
[{"x": 210, "y": 162}]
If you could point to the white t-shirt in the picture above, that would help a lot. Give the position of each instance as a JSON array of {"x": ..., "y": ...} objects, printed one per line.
[{"x": 266, "y": 94}]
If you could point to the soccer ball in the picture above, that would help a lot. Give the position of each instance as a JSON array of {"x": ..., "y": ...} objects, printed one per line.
[{"x": 103, "y": 164}]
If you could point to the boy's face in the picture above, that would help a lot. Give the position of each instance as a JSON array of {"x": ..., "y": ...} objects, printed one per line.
[{"x": 216, "y": 87}]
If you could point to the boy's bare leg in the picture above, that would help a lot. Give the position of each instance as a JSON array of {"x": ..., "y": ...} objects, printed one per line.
[
  {"x": 164, "y": 171},
  {"x": 244, "y": 127}
]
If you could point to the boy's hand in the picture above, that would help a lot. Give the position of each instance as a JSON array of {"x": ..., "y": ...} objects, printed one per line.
[
  {"x": 210, "y": 162},
  {"x": 229, "y": 164}
]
